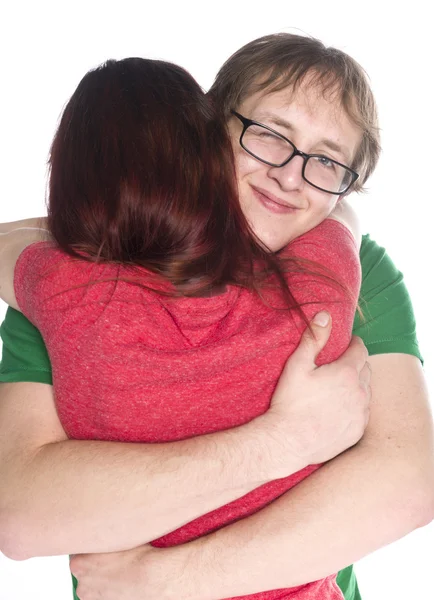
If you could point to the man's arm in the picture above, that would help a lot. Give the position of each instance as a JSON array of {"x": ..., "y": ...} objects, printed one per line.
[
  {"x": 371, "y": 495},
  {"x": 206, "y": 472},
  {"x": 122, "y": 495},
  {"x": 100, "y": 494},
  {"x": 363, "y": 499}
]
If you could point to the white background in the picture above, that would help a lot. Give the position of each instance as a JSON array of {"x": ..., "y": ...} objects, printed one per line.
[{"x": 46, "y": 49}]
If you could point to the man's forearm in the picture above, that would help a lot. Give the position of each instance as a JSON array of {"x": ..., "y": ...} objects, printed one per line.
[
  {"x": 368, "y": 497},
  {"x": 61, "y": 496},
  {"x": 92, "y": 496},
  {"x": 330, "y": 520},
  {"x": 144, "y": 490}
]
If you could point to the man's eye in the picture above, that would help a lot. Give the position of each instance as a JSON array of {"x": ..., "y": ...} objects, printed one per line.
[
  {"x": 260, "y": 132},
  {"x": 266, "y": 134},
  {"x": 326, "y": 162}
]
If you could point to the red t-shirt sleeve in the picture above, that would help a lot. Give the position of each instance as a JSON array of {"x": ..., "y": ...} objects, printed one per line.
[
  {"x": 46, "y": 281},
  {"x": 29, "y": 282},
  {"x": 330, "y": 254}
]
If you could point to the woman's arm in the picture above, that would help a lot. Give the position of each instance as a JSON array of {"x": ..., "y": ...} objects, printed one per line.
[{"x": 33, "y": 223}]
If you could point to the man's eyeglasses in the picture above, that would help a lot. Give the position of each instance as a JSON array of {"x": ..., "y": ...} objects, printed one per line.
[{"x": 272, "y": 148}]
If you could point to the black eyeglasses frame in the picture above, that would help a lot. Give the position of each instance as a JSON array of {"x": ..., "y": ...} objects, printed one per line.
[{"x": 248, "y": 122}]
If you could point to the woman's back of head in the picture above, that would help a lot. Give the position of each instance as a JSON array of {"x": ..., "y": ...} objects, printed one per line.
[{"x": 141, "y": 172}]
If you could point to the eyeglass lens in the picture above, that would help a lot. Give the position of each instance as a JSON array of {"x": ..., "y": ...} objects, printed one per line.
[{"x": 319, "y": 171}]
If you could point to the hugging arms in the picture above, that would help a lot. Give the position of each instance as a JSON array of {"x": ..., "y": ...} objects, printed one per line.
[
  {"x": 368, "y": 496},
  {"x": 392, "y": 460}
]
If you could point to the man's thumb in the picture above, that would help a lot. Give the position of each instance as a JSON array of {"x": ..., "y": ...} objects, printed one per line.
[
  {"x": 321, "y": 320},
  {"x": 314, "y": 340}
]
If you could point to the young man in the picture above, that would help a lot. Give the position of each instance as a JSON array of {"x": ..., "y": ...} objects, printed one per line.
[{"x": 371, "y": 495}]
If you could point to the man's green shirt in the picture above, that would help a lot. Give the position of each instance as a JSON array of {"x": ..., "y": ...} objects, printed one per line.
[{"x": 387, "y": 326}]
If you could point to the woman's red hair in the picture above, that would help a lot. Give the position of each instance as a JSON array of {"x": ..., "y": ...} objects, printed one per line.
[{"x": 141, "y": 173}]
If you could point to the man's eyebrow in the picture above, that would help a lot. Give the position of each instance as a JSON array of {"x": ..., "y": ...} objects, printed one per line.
[
  {"x": 275, "y": 120},
  {"x": 342, "y": 150}
]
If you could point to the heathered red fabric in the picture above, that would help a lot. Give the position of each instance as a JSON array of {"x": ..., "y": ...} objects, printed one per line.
[{"x": 132, "y": 365}]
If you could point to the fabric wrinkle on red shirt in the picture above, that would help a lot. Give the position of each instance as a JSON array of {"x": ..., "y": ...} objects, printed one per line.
[{"x": 135, "y": 366}]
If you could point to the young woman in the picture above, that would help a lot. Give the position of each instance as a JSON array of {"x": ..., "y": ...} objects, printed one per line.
[{"x": 155, "y": 295}]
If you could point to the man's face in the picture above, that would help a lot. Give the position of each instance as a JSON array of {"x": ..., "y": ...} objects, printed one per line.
[{"x": 278, "y": 203}]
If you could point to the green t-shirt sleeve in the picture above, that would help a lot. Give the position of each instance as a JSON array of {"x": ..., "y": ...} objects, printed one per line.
[
  {"x": 24, "y": 356},
  {"x": 388, "y": 324}
]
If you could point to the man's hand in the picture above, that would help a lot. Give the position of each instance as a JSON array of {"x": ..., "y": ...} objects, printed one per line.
[
  {"x": 318, "y": 412},
  {"x": 366, "y": 498},
  {"x": 114, "y": 576},
  {"x": 142, "y": 573}
]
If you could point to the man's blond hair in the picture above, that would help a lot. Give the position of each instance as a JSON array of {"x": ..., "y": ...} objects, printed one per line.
[{"x": 275, "y": 62}]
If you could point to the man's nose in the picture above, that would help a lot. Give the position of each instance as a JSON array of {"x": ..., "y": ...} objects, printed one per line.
[{"x": 289, "y": 176}]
